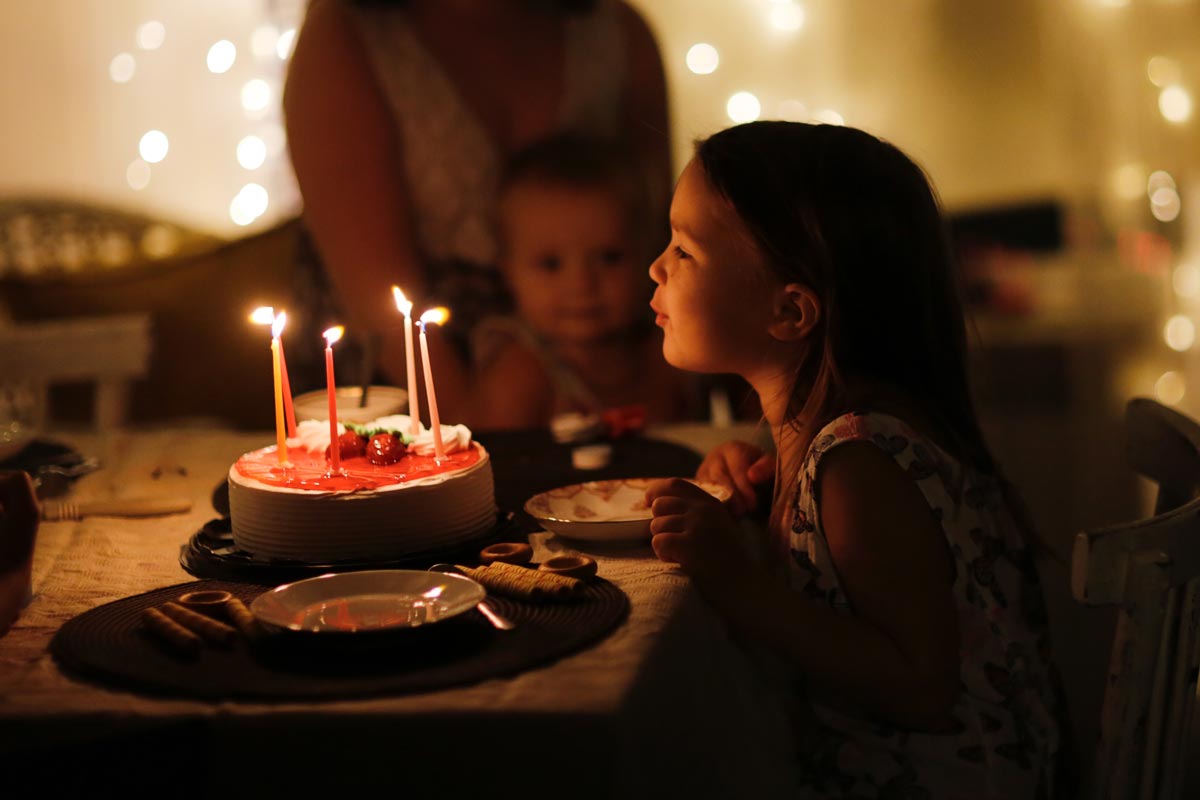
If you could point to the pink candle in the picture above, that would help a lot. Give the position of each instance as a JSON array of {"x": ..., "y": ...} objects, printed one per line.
[
  {"x": 437, "y": 316},
  {"x": 335, "y": 448},
  {"x": 414, "y": 409}
]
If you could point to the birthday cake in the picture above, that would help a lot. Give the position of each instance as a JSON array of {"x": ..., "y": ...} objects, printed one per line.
[{"x": 392, "y": 496}]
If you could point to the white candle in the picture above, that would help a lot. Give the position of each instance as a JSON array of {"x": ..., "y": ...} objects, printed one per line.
[
  {"x": 437, "y": 316},
  {"x": 414, "y": 410},
  {"x": 335, "y": 447}
]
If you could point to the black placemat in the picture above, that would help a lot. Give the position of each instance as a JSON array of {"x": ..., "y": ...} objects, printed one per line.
[
  {"x": 525, "y": 463},
  {"x": 108, "y": 645},
  {"x": 211, "y": 553}
]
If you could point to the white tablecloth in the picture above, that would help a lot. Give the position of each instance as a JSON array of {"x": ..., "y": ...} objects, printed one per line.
[{"x": 665, "y": 706}]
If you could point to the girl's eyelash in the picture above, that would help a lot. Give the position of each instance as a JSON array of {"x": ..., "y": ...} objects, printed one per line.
[{"x": 680, "y": 252}]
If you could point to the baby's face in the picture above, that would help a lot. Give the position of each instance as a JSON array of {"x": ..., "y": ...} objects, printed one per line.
[{"x": 571, "y": 262}]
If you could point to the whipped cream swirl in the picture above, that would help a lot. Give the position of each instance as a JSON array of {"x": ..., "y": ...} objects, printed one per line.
[{"x": 313, "y": 435}]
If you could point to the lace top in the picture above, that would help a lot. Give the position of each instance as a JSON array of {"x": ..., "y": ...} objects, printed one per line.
[
  {"x": 452, "y": 164},
  {"x": 1006, "y": 714}
]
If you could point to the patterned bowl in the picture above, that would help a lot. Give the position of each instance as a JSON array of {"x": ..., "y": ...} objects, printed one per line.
[{"x": 602, "y": 511}]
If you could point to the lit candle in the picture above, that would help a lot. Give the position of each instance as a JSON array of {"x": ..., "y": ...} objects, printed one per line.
[
  {"x": 265, "y": 315},
  {"x": 437, "y": 316},
  {"x": 414, "y": 410},
  {"x": 289, "y": 413},
  {"x": 280, "y": 428},
  {"x": 335, "y": 447}
]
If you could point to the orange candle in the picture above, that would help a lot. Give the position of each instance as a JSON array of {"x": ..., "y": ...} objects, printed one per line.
[
  {"x": 289, "y": 413},
  {"x": 437, "y": 316},
  {"x": 414, "y": 409},
  {"x": 285, "y": 416},
  {"x": 335, "y": 448},
  {"x": 280, "y": 431}
]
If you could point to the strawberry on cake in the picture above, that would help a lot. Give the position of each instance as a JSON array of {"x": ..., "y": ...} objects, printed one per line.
[{"x": 391, "y": 498}]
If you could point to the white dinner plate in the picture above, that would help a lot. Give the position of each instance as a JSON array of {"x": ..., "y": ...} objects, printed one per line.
[
  {"x": 360, "y": 602},
  {"x": 602, "y": 511}
]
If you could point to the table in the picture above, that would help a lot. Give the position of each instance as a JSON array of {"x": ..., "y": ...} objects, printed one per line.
[{"x": 667, "y": 705}]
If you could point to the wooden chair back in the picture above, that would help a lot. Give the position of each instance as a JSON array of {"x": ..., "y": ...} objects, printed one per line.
[
  {"x": 107, "y": 353},
  {"x": 1149, "y": 570},
  {"x": 207, "y": 360}
]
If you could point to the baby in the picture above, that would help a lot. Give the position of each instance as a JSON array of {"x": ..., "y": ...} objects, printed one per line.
[{"x": 575, "y": 242}]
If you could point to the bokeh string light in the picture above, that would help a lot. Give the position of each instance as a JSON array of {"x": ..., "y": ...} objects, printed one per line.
[
  {"x": 785, "y": 18},
  {"x": 258, "y": 142},
  {"x": 1165, "y": 206}
]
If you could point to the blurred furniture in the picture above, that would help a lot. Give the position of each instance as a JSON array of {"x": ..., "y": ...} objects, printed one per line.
[
  {"x": 1051, "y": 384},
  {"x": 44, "y": 237},
  {"x": 107, "y": 353},
  {"x": 631, "y": 716},
  {"x": 62, "y": 260},
  {"x": 1150, "y": 570}
]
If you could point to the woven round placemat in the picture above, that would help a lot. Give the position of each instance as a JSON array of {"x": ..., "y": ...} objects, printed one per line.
[
  {"x": 109, "y": 645},
  {"x": 211, "y": 553}
]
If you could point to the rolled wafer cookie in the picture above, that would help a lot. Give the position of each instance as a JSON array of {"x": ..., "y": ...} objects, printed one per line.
[
  {"x": 171, "y": 632},
  {"x": 524, "y": 583},
  {"x": 210, "y": 629},
  {"x": 242, "y": 618}
]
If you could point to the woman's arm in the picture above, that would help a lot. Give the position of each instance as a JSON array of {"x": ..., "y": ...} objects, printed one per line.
[
  {"x": 897, "y": 656},
  {"x": 347, "y": 157},
  {"x": 512, "y": 392},
  {"x": 645, "y": 116}
]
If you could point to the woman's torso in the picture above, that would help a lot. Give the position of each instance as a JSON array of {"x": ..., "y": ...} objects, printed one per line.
[
  {"x": 1006, "y": 728},
  {"x": 453, "y": 151}
]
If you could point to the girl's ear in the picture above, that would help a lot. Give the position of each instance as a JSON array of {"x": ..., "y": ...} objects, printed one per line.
[{"x": 797, "y": 311}]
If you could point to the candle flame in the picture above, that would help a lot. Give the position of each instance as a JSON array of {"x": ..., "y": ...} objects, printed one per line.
[
  {"x": 277, "y": 325},
  {"x": 333, "y": 334},
  {"x": 402, "y": 303},
  {"x": 263, "y": 315},
  {"x": 437, "y": 316}
]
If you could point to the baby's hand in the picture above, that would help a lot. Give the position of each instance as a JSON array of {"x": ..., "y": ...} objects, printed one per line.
[
  {"x": 691, "y": 528},
  {"x": 740, "y": 466}
]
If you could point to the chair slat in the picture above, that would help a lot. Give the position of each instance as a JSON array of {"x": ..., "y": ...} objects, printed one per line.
[
  {"x": 1180, "y": 705},
  {"x": 1150, "y": 570}
]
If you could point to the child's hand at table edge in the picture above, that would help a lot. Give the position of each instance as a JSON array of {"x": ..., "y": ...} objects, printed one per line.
[
  {"x": 692, "y": 528},
  {"x": 740, "y": 466}
]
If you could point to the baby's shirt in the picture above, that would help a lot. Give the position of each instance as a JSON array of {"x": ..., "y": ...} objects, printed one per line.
[
  {"x": 571, "y": 392},
  {"x": 1007, "y": 730}
]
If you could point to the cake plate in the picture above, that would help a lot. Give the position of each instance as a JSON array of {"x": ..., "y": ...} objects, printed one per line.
[{"x": 211, "y": 553}]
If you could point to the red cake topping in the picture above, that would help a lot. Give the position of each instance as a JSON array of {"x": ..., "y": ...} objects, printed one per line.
[
  {"x": 311, "y": 470},
  {"x": 384, "y": 448}
]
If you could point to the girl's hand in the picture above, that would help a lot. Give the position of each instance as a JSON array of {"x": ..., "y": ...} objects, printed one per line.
[
  {"x": 740, "y": 466},
  {"x": 691, "y": 528}
]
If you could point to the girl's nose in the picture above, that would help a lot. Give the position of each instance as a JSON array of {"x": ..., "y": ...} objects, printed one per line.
[{"x": 658, "y": 273}]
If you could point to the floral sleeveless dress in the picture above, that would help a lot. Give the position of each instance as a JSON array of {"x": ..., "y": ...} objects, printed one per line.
[{"x": 1007, "y": 730}]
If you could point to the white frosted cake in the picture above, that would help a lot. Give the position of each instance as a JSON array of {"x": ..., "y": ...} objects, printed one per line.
[{"x": 391, "y": 499}]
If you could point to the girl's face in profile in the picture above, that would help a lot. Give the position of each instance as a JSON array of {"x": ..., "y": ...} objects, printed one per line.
[
  {"x": 715, "y": 293},
  {"x": 571, "y": 262}
]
